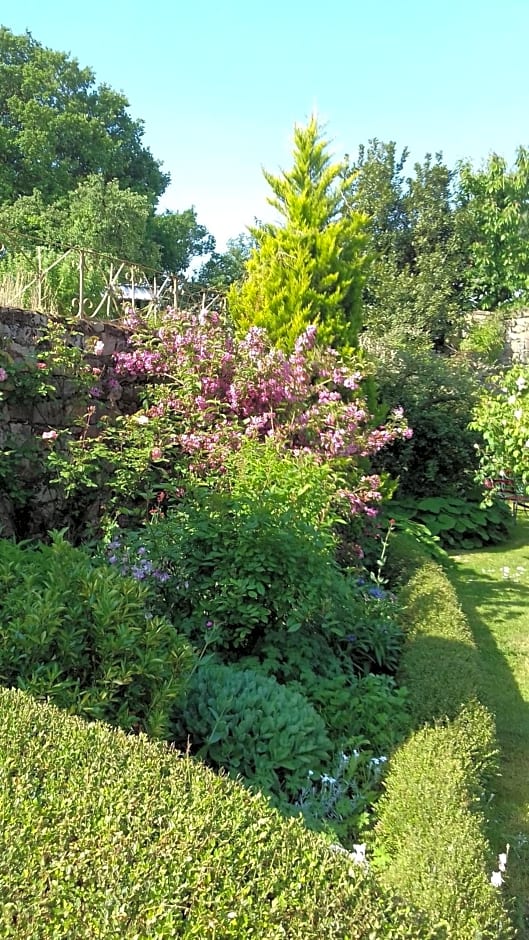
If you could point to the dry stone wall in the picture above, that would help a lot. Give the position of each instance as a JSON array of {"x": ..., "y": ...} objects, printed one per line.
[{"x": 24, "y": 419}]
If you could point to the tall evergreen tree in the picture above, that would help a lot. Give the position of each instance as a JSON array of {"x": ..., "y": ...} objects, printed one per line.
[{"x": 310, "y": 268}]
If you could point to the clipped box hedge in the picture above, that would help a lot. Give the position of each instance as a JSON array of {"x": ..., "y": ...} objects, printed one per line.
[
  {"x": 431, "y": 827},
  {"x": 108, "y": 836},
  {"x": 439, "y": 664}
]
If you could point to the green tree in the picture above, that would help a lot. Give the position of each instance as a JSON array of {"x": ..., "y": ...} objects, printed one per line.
[
  {"x": 57, "y": 127},
  {"x": 224, "y": 268},
  {"x": 309, "y": 269},
  {"x": 180, "y": 239},
  {"x": 414, "y": 287},
  {"x": 495, "y": 203}
]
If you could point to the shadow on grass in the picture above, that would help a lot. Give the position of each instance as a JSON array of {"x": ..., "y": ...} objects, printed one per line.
[{"x": 496, "y": 605}]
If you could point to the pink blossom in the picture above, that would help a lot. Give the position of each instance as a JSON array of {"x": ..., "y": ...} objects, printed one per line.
[
  {"x": 99, "y": 348},
  {"x": 156, "y": 453},
  {"x": 49, "y": 435},
  {"x": 3, "y": 375}
]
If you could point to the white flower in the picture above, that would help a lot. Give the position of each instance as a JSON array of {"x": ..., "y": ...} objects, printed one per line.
[
  {"x": 518, "y": 414},
  {"x": 502, "y": 861},
  {"x": 142, "y": 419},
  {"x": 496, "y": 879},
  {"x": 511, "y": 400},
  {"x": 99, "y": 347},
  {"x": 359, "y": 854},
  {"x": 521, "y": 383},
  {"x": 505, "y": 571}
]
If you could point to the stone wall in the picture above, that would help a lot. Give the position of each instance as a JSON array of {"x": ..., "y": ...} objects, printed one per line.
[
  {"x": 23, "y": 420},
  {"x": 517, "y": 337}
]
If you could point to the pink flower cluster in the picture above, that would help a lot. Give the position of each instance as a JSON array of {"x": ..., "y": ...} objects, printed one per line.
[{"x": 219, "y": 389}]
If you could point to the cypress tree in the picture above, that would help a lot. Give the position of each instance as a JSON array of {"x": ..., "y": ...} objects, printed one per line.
[{"x": 309, "y": 269}]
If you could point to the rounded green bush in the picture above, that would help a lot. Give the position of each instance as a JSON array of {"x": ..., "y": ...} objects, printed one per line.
[{"x": 250, "y": 725}]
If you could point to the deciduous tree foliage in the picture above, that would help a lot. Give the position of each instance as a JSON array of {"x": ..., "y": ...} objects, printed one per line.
[
  {"x": 496, "y": 212},
  {"x": 57, "y": 127},
  {"x": 74, "y": 169},
  {"x": 414, "y": 286},
  {"x": 310, "y": 268}
]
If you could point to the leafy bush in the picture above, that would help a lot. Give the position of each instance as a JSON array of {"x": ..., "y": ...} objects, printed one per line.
[
  {"x": 251, "y": 725},
  {"x": 437, "y": 394},
  {"x": 367, "y": 710},
  {"x": 501, "y": 417},
  {"x": 80, "y": 635},
  {"x": 106, "y": 835},
  {"x": 285, "y": 482},
  {"x": 439, "y": 662},
  {"x": 431, "y": 833},
  {"x": 459, "y": 523},
  {"x": 226, "y": 570}
]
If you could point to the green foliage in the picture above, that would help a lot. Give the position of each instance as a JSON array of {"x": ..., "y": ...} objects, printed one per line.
[
  {"x": 59, "y": 127},
  {"x": 437, "y": 394},
  {"x": 79, "y": 634},
  {"x": 484, "y": 338},
  {"x": 204, "y": 857},
  {"x": 355, "y": 708},
  {"x": 180, "y": 238},
  {"x": 501, "y": 416},
  {"x": 230, "y": 570},
  {"x": 264, "y": 472},
  {"x": 310, "y": 270},
  {"x": 224, "y": 268},
  {"x": 412, "y": 291},
  {"x": 439, "y": 665},
  {"x": 430, "y": 828},
  {"x": 252, "y": 726},
  {"x": 459, "y": 523},
  {"x": 495, "y": 200}
]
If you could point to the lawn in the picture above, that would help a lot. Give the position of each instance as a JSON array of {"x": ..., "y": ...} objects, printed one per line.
[{"x": 493, "y": 589}]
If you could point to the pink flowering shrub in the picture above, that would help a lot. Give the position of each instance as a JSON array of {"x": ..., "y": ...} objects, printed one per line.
[{"x": 218, "y": 390}]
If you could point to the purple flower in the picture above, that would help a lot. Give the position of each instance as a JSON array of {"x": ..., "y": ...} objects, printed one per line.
[
  {"x": 3, "y": 375},
  {"x": 376, "y": 592}
]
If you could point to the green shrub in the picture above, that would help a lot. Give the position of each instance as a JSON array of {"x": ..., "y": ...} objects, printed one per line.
[
  {"x": 439, "y": 665},
  {"x": 437, "y": 394},
  {"x": 106, "y": 835},
  {"x": 250, "y": 725},
  {"x": 431, "y": 832},
  {"x": 459, "y": 523},
  {"x": 285, "y": 482},
  {"x": 227, "y": 570},
  {"x": 79, "y": 634},
  {"x": 355, "y": 708}
]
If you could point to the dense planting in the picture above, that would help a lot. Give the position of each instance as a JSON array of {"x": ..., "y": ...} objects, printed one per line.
[
  {"x": 236, "y": 590},
  {"x": 111, "y": 836}
]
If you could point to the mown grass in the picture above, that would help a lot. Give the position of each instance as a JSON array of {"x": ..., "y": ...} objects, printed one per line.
[{"x": 493, "y": 589}]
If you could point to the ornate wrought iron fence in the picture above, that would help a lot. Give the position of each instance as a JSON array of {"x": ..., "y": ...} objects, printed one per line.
[{"x": 89, "y": 283}]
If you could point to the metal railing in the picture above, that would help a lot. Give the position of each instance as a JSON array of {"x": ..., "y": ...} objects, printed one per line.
[{"x": 88, "y": 283}]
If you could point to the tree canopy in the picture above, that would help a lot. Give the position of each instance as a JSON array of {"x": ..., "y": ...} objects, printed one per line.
[
  {"x": 74, "y": 169},
  {"x": 58, "y": 127}
]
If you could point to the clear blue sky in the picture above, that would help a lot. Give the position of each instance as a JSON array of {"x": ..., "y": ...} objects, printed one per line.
[{"x": 220, "y": 84}]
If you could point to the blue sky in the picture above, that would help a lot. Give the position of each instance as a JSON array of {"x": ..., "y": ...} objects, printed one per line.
[{"x": 220, "y": 85}]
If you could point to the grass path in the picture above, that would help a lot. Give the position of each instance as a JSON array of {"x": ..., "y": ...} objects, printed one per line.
[{"x": 493, "y": 590}]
